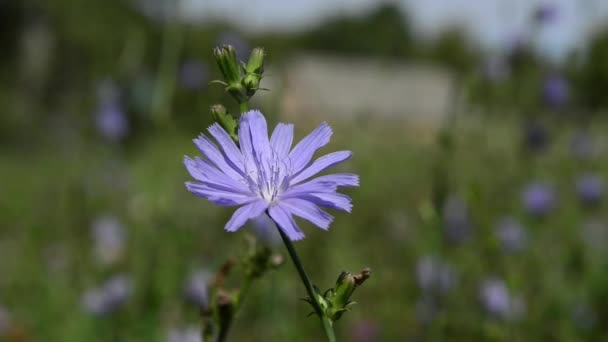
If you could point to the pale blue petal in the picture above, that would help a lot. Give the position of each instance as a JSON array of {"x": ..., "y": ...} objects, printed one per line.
[
  {"x": 209, "y": 150},
  {"x": 281, "y": 139},
  {"x": 313, "y": 185},
  {"x": 308, "y": 211},
  {"x": 219, "y": 196},
  {"x": 244, "y": 213},
  {"x": 301, "y": 155},
  {"x": 259, "y": 132},
  {"x": 231, "y": 151},
  {"x": 340, "y": 179},
  {"x": 321, "y": 164},
  {"x": 330, "y": 200},
  {"x": 285, "y": 222},
  {"x": 245, "y": 138},
  {"x": 203, "y": 171}
]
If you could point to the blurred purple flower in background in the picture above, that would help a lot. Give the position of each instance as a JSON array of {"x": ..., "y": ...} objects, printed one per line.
[
  {"x": 110, "y": 118},
  {"x": 263, "y": 176},
  {"x": 193, "y": 75},
  {"x": 434, "y": 276},
  {"x": 556, "y": 91},
  {"x": 457, "y": 226},
  {"x": 511, "y": 235},
  {"x": 265, "y": 230},
  {"x": 185, "y": 334},
  {"x": 365, "y": 331},
  {"x": 538, "y": 199},
  {"x": 546, "y": 13},
  {"x": 196, "y": 288},
  {"x": 498, "y": 302},
  {"x": 109, "y": 297},
  {"x": 582, "y": 146},
  {"x": 536, "y": 136},
  {"x": 5, "y": 320},
  {"x": 243, "y": 50},
  {"x": 109, "y": 238},
  {"x": 590, "y": 189}
]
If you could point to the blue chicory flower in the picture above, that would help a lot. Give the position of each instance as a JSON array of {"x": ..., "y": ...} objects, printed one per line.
[
  {"x": 457, "y": 225},
  {"x": 110, "y": 117},
  {"x": 434, "y": 276},
  {"x": 109, "y": 238},
  {"x": 185, "y": 334},
  {"x": 196, "y": 288},
  {"x": 109, "y": 297},
  {"x": 556, "y": 91},
  {"x": 111, "y": 121},
  {"x": 590, "y": 189},
  {"x": 498, "y": 301},
  {"x": 262, "y": 175},
  {"x": 538, "y": 199},
  {"x": 511, "y": 235},
  {"x": 265, "y": 231}
]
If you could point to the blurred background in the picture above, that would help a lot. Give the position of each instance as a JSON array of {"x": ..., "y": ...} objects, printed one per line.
[{"x": 478, "y": 129}]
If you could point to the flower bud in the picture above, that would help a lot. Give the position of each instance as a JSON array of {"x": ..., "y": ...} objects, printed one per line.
[
  {"x": 224, "y": 119},
  {"x": 338, "y": 300},
  {"x": 254, "y": 71},
  {"x": 228, "y": 64},
  {"x": 229, "y": 67},
  {"x": 255, "y": 64}
]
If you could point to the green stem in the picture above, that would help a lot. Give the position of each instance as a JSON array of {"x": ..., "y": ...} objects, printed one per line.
[
  {"x": 244, "y": 107},
  {"x": 325, "y": 322}
]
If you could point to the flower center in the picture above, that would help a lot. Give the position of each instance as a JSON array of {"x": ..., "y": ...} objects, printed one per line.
[{"x": 267, "y": 175}]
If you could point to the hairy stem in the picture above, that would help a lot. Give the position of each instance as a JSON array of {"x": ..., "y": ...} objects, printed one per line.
[{"x": 325, "y": 321}]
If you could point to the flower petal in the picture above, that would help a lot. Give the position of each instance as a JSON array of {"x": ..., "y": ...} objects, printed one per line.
[
  {"x": 340, "y": 179},
  {"x": 312, "y": 186},
  {"x": 203, "y": 171},
  {"x": 330, "y": 200},
  {"x": 231, "y": 151},
  {"x": 259, "y": 132},
  {"x": 209, "y": 150},
  {"x": 308, "y": 211},
  {"x": 284, "y": 220},
  {"x": 302, "y": 154},
  {"x": 244, "y": 213},
  {"x": 321, "y": 164},
  {"x": 217, "y": 196},
  {"x": 281, "y": 139}
]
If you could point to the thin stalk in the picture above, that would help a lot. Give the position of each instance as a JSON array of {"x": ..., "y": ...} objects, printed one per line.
[
  {"x": 325, "y": 322},
  {"x": 244, "y": 107}
]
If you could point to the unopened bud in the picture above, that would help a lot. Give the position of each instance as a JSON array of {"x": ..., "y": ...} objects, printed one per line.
[
  {"x": 339, "y": 299},
  {"x": 229, "y": 67},
  {"x": 254, "y": 71},
  {"x": 224, "y": 119},
  {"x": 255, "y": 65}
]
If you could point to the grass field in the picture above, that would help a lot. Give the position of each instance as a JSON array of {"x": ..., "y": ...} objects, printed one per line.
[{"x": 53, "y": 194}]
